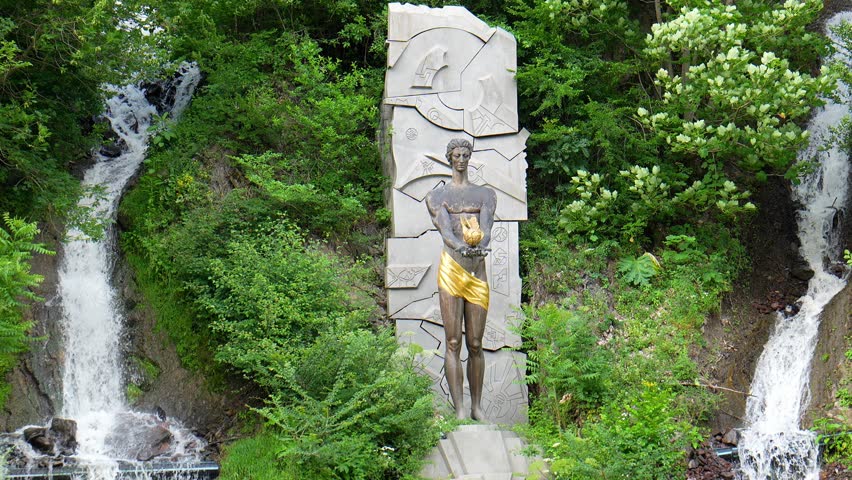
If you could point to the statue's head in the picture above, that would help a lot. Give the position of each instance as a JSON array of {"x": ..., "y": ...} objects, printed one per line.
[{"x": 461, "y": 144}]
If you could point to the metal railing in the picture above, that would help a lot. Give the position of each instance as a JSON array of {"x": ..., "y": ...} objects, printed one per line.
[{"x": 126, "y": 471}]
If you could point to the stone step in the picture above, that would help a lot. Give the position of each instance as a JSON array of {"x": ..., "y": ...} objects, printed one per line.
[
  {"x": 482, "y": 451},
  {"x": 478, "y": 452},
  {"x": 478, "y": 427},
  {"x": 517, "y": 461}
]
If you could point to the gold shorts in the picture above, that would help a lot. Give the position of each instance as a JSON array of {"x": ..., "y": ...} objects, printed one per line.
[{"x": 458, "y": 282}]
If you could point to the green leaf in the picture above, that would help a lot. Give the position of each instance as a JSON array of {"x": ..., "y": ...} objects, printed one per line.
[{"x": 639, "y": 271}]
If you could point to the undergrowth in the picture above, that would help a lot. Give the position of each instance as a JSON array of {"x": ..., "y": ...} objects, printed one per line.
[{"x": 612, "y": 380}]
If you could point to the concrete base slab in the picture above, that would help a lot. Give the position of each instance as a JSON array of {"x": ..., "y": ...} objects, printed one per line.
[{"x": 478, "y": 452}]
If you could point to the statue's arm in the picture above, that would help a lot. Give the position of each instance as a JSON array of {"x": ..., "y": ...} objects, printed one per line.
[
  {"x": 441, "y": 220},
  {"x": 486, "y": 217}
]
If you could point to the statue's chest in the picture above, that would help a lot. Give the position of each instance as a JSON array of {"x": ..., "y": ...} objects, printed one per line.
[{"x": 462, "y": 201}]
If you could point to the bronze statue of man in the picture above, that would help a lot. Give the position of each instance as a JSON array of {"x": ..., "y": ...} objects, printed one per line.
[{"x": 464, "y": 214}]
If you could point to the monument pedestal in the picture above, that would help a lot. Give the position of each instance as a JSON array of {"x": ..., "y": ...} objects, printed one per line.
[{"x": 479, "y": 452}]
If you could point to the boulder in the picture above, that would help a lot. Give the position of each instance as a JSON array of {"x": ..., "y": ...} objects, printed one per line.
[
  {"x": 801, "y": 271},
  {"x": 64, "y": 433},
  {"x": 39, "y": 439},
  {"x": 837, "y": 269},
  {"x": 731, "y": 437},
  {"x": 112, "y": 150},
  {"x": 156, "y": 441}
]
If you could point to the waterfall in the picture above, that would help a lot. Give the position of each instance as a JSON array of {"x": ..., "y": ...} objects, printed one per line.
[
  {"x": 773, "y": 446},
  {"x": 93, "y": 384}
]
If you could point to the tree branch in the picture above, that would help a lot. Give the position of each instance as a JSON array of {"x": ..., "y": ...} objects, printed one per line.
[{"x": 715, "y": 387}]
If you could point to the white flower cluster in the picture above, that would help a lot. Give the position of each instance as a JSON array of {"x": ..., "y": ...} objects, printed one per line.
[
  {"x": 593, "y": 205},
  {"x": 645, "y": 182},
  {"x": 696, "y": 29},
  {"x": 702, "y": 195},
  {"x": 581, "y": 12}
]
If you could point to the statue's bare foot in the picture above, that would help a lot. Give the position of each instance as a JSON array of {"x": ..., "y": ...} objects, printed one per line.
[
  {"x": 477, "y": 414},
  {"x": 460, "y": 414}
]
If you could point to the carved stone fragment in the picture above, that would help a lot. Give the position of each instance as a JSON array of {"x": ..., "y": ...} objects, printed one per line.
[{"x": 452, "y": 76}]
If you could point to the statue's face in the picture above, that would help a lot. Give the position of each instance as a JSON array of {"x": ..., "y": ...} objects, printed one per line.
[{"x": 460, "y": 156}]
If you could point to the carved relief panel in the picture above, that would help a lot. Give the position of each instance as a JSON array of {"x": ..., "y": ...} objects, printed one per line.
[{"x": 449, "y": 76}]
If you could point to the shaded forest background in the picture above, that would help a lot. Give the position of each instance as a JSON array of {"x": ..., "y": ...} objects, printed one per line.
[{"x": 256, "y": 226}]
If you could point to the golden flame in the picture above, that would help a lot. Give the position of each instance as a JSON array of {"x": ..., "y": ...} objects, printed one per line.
[{"x": 471, "y": 232}]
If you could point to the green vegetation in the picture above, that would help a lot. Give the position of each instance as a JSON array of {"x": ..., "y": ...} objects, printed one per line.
[
  {"x": 835, "y": 440},
  {"x": 142, "y": 376},
  {"x": 16, "y": 249},
  {"x": 133, "y": 392},
  {"x": 254, "y": 224},
  {"x": 252, "y": 459},
  {"x": 361, "y": 411},
  {"x": 616, "y": 392},
  {"x": 834, "y": 434}
]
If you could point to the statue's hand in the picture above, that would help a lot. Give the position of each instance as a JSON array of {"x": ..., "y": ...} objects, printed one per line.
[{"x": 470, "y": 252}]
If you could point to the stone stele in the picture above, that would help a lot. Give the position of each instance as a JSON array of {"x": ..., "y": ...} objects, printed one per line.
[{"x": 449, "y": 76}]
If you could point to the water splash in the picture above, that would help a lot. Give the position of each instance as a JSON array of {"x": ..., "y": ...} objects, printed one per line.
[
  {"x": 773, "y": 446},
  {"x": 93, "y": 383}
]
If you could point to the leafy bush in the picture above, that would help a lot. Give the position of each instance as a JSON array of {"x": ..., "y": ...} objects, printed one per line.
[
  {"x": 567, "y": 367},
  {"x": 736, "y": 95},
  {"x": 644, "y": 434},
  {"x": 350, "y": 407},
  {"x": 253, "y": 458},
  {"x": 268, "y": 296},
  {"x": 640, "y": 433},
  {"x": 554, "y": 267},
  {"x": 325, "y": 211},
  {"x": 16, "y": 249},
  {"x": 835, "y": 439},
  {"x": 641, "y": 196},
  {"x": 641, "y": 418}
]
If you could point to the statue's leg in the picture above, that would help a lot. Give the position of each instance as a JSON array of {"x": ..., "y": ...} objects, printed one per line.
[
  {"x": 452, "y": 309},
  {"x": 474, "y": 317}
]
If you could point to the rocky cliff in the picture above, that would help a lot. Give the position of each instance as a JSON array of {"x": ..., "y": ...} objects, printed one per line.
[{"x": 831, "y": 370}]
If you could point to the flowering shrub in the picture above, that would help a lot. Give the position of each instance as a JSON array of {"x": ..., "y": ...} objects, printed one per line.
[
  {"x": 601, "y": 211},
  {"x": 735, "y": 96}
]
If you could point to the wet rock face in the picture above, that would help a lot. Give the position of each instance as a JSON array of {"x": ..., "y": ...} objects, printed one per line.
[
  {"x": 139, "y": 437},
  {"x": 113, "y": 150},
  {"x": 731, "y": 437},
  {"x": 830, "y": 367},
  {"x": 801, "y": 270},
  {"x": 161, "y": 93},
  {"x": 172, "y": 390},
  {"x": 133, "y": 437},
  {"x": 37, "y": 437}
]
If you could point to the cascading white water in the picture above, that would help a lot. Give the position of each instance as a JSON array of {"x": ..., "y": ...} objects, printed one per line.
[
  {"x": 773, "y": 446},
  {"x": 93, "y": 384}
]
